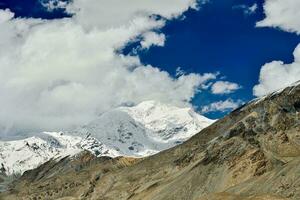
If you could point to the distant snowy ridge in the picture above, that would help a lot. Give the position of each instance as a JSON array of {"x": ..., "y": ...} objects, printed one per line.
[
  {"x": 138, "y": 131},
  {"x": 21, "y": 155}
]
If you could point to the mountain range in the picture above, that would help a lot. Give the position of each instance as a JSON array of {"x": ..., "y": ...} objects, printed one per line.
[{"x": 136, "y": 131}]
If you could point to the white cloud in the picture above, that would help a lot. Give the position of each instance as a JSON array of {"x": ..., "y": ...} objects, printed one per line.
[
  {"x": 60, "y": 73},
  {"x": 51, "y": 5},
  {"x": 222, "y": 106},
  {"x": 5, "y": 15},
  {"x": 179, "y": 71},
  {"x": 152, "y": 38},
  {"x": 253, "y": 8},
  {"x": 282, "y": 14},
  {"x": 248, "y": 10},
  {"x": 276, "y": 75},
  {"x": 224, "y": 87},
  {"x": 115, "y": 13}
]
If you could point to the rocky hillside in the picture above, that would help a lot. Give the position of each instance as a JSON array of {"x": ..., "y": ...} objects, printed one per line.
[{"x": 253, "y": 153}]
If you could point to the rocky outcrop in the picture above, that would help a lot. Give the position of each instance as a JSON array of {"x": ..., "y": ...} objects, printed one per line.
[{"x": 253, "y": 153}]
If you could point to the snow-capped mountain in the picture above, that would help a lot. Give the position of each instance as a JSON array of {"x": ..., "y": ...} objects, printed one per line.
[
  {"x": 145, "y": 129},
  {"x": 136, "y": 131},
  {"x": 21, "y": 155},
  {"x": 29, "y": 153}
]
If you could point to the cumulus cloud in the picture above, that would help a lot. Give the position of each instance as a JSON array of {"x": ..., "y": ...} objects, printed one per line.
[
  {"x": 282, "y": 14},
  {"x": 276, "y": 75},
  {"x": 5, "y": 15},
  {"x": 221, "y": 106},
  {"x": 153, "y": 39},
  {"x": 224, "y": 87},
  {"x": 55, "y": 74},
  {"x": 105, "y": 14}
]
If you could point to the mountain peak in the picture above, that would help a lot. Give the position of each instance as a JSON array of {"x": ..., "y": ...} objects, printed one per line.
[
  {"x": 136, "y": 131},
  {"x": 146, "y": 128}
]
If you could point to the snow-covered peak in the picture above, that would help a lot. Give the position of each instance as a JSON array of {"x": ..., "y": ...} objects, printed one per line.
[
  {"x": 21, "y": 155},
  {"x": 17, "y": 156},
  {"x": 136, "y": 131},
  {"x": 166, "y": 121},
  {"x": 146, "y": 128}
]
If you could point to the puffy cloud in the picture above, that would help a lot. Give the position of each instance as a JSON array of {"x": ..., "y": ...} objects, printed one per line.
[
  {"x": 55, "y": 74},
  {"x": 224, "y": 87},
  {"x": 276, "y": 75},
  {"x": 105, "y": 14},
  {"x": 222, "y": 106},
  {"x": 283, "y": 14},
  {"x": 152, "y": 38},
  {"x": 5, "y": 15}
]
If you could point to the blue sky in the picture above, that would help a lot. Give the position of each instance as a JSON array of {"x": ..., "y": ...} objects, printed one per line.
[{"x": 221, "y": 37}]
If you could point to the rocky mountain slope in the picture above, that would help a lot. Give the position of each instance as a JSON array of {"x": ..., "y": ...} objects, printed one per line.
[
  {"x": 253, "y": 153},
  {"x": 135, "y": 131}
]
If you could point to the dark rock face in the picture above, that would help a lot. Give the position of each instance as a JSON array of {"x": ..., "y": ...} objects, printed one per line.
[{"x": 253, "y": 153}]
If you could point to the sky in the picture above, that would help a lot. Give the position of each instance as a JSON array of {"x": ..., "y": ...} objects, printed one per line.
[
  {"x": 64, "y": 62},
  {"x": 221, "y": 37}
]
